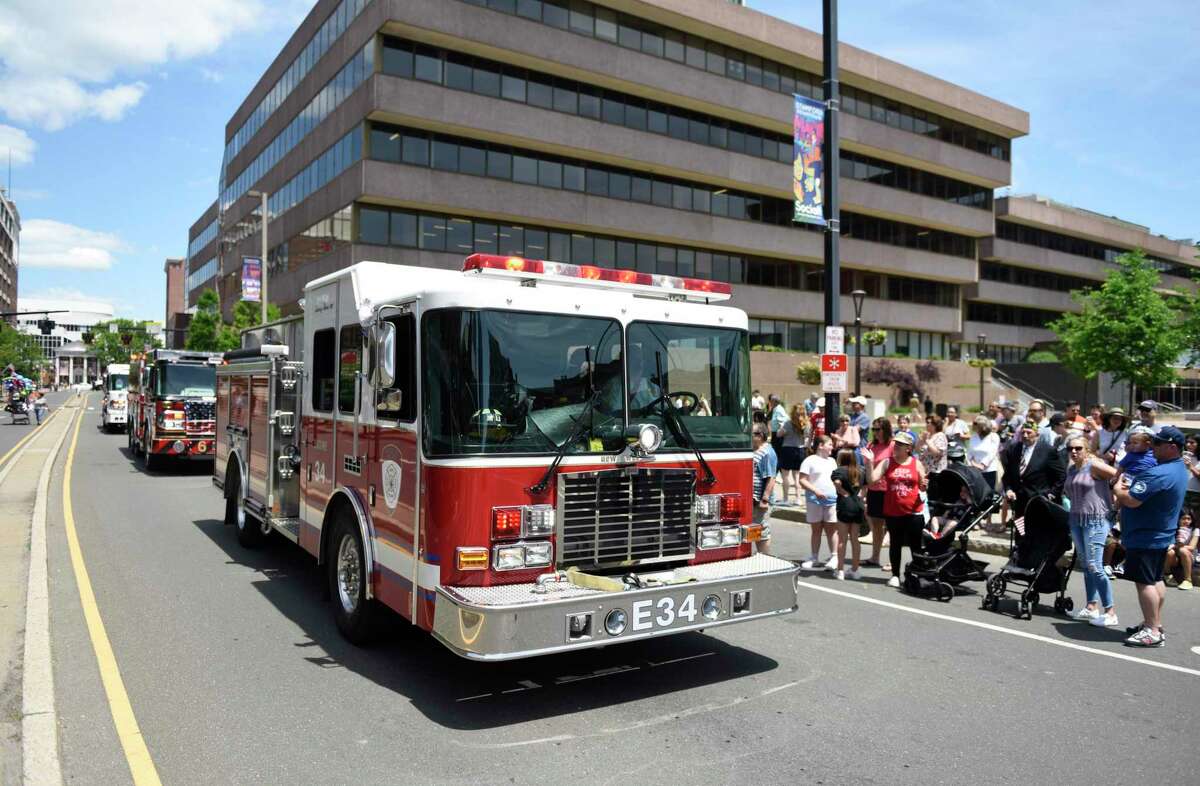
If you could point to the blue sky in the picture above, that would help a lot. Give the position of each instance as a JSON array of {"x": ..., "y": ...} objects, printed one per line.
[{"x": 115, "y": 113}]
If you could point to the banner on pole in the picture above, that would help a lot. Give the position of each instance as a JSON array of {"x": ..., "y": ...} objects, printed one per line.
[
  {"x": 808, "y": 145},
  {"x": 251, "y": 279}
]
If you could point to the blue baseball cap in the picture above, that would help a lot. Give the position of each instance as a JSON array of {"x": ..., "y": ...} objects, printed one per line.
[{"x": 1172, "y": 435}]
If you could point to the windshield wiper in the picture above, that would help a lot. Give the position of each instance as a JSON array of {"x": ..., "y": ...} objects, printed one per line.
[
  {"x": 679, "y": 429},
  {"x": 543, "y": 484}
]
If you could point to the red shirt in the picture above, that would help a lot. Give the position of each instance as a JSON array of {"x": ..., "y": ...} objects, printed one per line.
[
  {"x": 881, "y": 452},
  {"x": 903, "y": 495}
]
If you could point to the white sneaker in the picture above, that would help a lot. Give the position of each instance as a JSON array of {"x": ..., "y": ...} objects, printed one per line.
[
  {"x": 809, "y": 563},
  {"x": 894, "y": 581},
  {"x": 1086, "y": 614},
  {"x": 831, "y": 563},
  {"x": 839, "y": 575},
  {"x": 1105, "y": 620},
  {"x": 1108, "y": 571},
  {"x": 853, "y": 574}
]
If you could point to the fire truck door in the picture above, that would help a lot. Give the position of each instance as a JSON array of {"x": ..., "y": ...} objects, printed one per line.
[{"x": 318, "y": 435}]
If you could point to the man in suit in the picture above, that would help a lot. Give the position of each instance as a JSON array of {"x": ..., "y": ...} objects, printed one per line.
[{"x": 1031, "y": 468}]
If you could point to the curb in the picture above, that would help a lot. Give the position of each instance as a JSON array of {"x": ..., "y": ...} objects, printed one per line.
[{"x": 979, "y": 544}]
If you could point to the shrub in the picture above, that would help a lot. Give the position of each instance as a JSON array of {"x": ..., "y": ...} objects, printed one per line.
[
  {"x": 927, "y": 371},
  {"x": 903, "y": 381},
  {"x": 766, "y": 348},
  {"x": 809, "y": 373},
  {"x": 875, "y": 337},
  {"x": 1041, "y": 356}
]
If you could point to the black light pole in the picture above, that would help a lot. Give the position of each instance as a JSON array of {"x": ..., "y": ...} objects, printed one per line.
[
  {"x": 829, "y": 169},
  {"x": 858, "y": 296},
  {"x": 980, "y": 348}
]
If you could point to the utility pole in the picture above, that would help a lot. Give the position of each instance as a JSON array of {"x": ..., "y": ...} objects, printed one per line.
[
  {"x": 829, "y": 169},
  {"x": 263, "y": 293}
]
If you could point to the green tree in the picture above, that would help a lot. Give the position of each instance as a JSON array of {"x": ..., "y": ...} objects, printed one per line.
[
  {"x": 1126, "y": 328},
  {"x": 109, "y": 346},
  {"x": 247, "y": 314},
  {"x": 20, "y": 350},
  {"x": 204, "y": 330}
]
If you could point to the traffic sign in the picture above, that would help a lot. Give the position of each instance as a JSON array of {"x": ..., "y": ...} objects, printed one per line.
[
  {"x": 835, "y": 339},
  {"x": 833, "y": 372}
]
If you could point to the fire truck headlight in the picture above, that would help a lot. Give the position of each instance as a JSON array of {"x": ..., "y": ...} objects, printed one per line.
[
  {"x": 539, "y": 520},
  {"x": 707, "y": 507},
  {"x": 509, "y": 557},
  {"x": 711, "y": 608},
  {"x": 649, "y": 437},
  {"x": 538, "y": 555},
  {"x": 614, "y": 623},
  {"x": 731, "y": 536},
  {"x": 710, "y": 537}
]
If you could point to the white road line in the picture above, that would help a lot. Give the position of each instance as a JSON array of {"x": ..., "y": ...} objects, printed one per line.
[
  {"x": 39, "y": 719},
  {"x": 1009, "y": 631}
]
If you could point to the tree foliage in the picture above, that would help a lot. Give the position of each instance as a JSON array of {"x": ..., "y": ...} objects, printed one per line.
[
  {"x": 927, "y": 371},
  {"x": 888, "y": 372},
  {"x": 208, "y": 333},
  {"x": 1126, "y": 328},
  {"x": 20, "y": 350},
  {"x": 108, "y": 346}
]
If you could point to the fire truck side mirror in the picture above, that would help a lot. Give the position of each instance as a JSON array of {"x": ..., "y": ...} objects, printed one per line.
[{"x": 386, "y": 354}]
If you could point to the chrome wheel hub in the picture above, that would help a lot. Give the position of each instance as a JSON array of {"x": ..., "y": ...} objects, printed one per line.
[{"x": 348, "y": 574}]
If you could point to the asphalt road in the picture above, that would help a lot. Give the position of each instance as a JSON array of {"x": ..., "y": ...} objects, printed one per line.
[{"x": 236, "y": 674}]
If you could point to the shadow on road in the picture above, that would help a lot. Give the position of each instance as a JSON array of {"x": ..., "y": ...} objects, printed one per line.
[
  {"x": 166, "y": 466},
  {"x": 465, "y": 695}
]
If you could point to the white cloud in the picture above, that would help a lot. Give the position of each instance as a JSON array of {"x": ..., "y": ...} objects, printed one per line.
[
  {"x": 46, "y": 243},
  {"x": 77, "y": 61},
  {"x": 18, "y": 143},
  {"x": 209, "y": 75}
]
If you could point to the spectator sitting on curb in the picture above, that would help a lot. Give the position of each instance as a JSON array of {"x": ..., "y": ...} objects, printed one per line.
[
  {"x": 1152, "y": 503},
  {"x": 1181, "y": 553}
]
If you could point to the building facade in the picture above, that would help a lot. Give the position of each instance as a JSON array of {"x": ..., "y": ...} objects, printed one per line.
[
  {"x": 70, "y": 360},
  {"x": 644, "y": 134},
  {"x": 10, "y": 247},
  {"x": 175, "y": 320}
]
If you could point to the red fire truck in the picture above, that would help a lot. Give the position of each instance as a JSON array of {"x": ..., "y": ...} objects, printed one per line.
[
  {"x": 171, "y": 401},
  {"x": 523, "y": 457}
]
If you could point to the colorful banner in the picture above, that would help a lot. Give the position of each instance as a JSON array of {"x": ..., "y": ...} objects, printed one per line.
[
  {"x": 808, "y": 135},
  {"x": 251, "y": 279}
]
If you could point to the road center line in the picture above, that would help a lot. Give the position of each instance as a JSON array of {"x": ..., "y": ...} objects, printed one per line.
[
  {"x": 137, "y": 755},
  {"x": 998, "y": 629}
]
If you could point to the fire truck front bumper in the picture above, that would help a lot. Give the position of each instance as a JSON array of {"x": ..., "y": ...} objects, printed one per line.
[
  {"x": 524, "y": 620},
  {"x": 186, "y": 447}
]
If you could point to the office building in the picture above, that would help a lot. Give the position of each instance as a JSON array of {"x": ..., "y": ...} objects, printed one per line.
[
  {"x": 10, "y": 247},
  {"x": 176, "y": 318},
  {"x": 71, "y": 360},
  {"x": 656, "y": 137}
]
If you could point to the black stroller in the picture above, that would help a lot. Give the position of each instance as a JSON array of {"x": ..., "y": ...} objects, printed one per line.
[
  {"x": 960, "y": 496},
  {"x": 18, "y": 408},
  {"x": 1033, "y": 560}
]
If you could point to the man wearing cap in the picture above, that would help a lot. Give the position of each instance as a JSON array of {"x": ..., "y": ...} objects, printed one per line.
[
  {"x": 1009, "y": 424},
  {"x": 1147, "y": 413},
  {"x": 1151, "y": 503},
  {"x": 860, "y": 420},
  {"x": 811, "y": 404},
  {"x": 1031, "y": 468}
]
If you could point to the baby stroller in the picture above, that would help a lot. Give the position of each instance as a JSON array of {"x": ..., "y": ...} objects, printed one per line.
[
  {"x": 19, "y": 409},
  {"x": 1033, "y": 560},
  {"x": 959, "y": 496}
]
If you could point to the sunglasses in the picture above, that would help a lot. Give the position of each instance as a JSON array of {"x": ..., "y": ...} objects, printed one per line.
[{"x": 1075, "y": 449}]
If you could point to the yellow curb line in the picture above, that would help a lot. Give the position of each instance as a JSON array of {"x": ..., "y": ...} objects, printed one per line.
[
  {"x": 27, "y": 437},
  {"x": 137, "y": 755}
]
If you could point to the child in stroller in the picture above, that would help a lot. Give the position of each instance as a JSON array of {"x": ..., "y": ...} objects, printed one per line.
[
  {"x": 1039, "y": 541},
  {"x": 959, "y": 499}
]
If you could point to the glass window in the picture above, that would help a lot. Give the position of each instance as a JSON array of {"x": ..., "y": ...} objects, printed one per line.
[
  {"x": 399, "y": 402},
  {"x": 530, "y": 9},
  {"x": 677, "y": 125},
  {"x": 626, "y": 255},
  {"x": 573, "y": 177},
  {"x": 487, "y": 80},
  {"x": 694, "y": 52},
  {"x": 398, "y": 62},
  {"x": 385, "y": 145},
  {"x": 597, "y": 182},
  {"x": 581, "y": 250},
  {"x": 701, "y": 200},
  {"x": 635, "y": 117},
  {"x": 404, "y": 229},
  {"x": 499, "y": 165},
  {"x": 525, "y": 170},
  {"x": 472, "y": 160},
  {"x": 560, "y": 247},
  {"x": 717, "y": 135},
  {"x": 605, "y": 252},
  {"x": 613, "y": 110},
  {"x": 485, "y": 237},
  {"x": 647, "y": 254},
  {"x": 640, "y": 190},
  {"x": 536, "y": 244},
  {"x": 373, "y": 226},
  {"x": 540, "y": 94},
  {"x": 554, "y": 13},
  {"x": 589, "y": 102},
  {"x": 349, "y": 364},
  {"x": 458, "y": 72},
  {"x": 673, "y": 45},
  {"x": 445, "y": 155},
  {"x": 698, "y": 130},
  {"x": 566, "y": 100},
  {"x": 581, "y": 17},
  {"x": 754, "y": 73},
  {"x": 715, "y": 58},
  {"x": 433, "y": 233},
  {"x": 629, "y": 37},
  {"x": 606, "y": 24},
  {"x": 661, "y": 194},
  {"x": 429, "y": 66},
  {"x": 512, "y": 240},
  {"x": 618, "y": 186},
  {"x": 657, "y": 121},
  {"x": 550, "y": 174},
  {"x": 665, "y": 262},
  {"x": 681, "y": 197},
  {"x": 512, "y": 87},
  {"x": 652, "y": 44},
  {"x": 415, "y": 150},
  {"x": 324, "y": 354}
]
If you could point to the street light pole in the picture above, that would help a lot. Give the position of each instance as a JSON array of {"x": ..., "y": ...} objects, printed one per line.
[
  {"x": 980, "y": 348},
  {"x": 263, "y": 293},
  {"x": 858, "y": 296},
  {"x": 829, "y": 171}
]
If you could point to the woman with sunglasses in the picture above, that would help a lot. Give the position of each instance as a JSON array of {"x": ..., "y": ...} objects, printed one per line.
[
  {"x": 880, "y": 446},
  {"x": 904, "y": 479},
  {"x": 1087, "y": 487}
]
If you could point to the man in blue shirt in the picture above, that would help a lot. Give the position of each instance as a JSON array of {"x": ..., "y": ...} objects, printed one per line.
[
  {"x": 860, "y": 419},
  {"x": 1151, "y": 503}
]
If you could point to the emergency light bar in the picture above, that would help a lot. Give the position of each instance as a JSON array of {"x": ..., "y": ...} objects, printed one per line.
[{"x": 697, "y": 289}]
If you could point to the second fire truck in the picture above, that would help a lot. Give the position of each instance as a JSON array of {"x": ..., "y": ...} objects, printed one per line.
[
  {"x": 522, "y": 458},
  {"x": 172, "y": 394}
]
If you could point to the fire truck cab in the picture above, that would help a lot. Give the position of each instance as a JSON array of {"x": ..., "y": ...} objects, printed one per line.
[
  {"x": 170, "y": 405},
  {"x": 113, "y": 409},
  {"x": 522, "y": 458}
]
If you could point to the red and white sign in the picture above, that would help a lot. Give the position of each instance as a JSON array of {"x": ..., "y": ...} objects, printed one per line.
[{"x": 833, "y": 373}]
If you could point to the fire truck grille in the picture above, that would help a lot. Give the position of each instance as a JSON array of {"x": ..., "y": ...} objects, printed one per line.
[{"x": 625, "y": 517}]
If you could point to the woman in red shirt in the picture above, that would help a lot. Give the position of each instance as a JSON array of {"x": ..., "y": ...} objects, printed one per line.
[
  {"x": 904, "y": 477},
  {"x": 881, "y": 447}
]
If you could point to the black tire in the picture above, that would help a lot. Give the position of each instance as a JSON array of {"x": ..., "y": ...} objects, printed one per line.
[
  {"x": 945, "y": 592},
  {"x": 152, "y": 460},
  {"x": 355, "y": 615},
  {"x": 249, "y": 529},
  {"x": 1068, "y": 605},
  {"x": 912, "y": 585}
]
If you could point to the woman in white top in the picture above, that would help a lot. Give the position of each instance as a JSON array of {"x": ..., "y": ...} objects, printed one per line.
[
  {"x": 816, "y": 478},
  {"x": 983, "y": 452},
  {"x": 1109, "y": 440}
]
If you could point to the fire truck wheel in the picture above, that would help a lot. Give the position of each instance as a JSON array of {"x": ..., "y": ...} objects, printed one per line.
[
  {"x": 249, "y": 529},
  {"x": 353, "y": 612},
  {"x": 151, "y": 459}
]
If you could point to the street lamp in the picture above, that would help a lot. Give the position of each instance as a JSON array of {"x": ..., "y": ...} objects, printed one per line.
[
  {"x": 263, "y": 294},
  {"x": 858, "y": 296},
  {"x": 980, "y": 348}
]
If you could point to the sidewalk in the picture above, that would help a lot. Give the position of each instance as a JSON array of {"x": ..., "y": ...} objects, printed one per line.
[{"x": 978, "y": 542}]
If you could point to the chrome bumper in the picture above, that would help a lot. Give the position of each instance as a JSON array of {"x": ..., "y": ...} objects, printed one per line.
[
  {"x": 116, "y": 416},
  {"x": 515, "y": 621}
]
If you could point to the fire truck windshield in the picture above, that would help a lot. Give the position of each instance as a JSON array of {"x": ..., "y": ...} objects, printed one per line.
[
  {"x": 512, "y": 382},
  {"x": 177, "y": 379},
  {"x": 118, "y": 381},
  {"x": 706, "y": 374}
]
